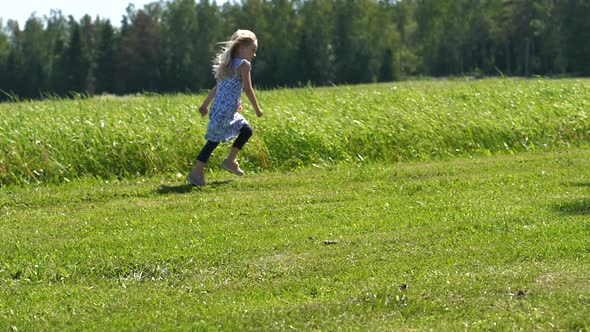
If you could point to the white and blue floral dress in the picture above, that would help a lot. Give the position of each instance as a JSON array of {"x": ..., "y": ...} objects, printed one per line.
[{"x": 224, "y": 120}]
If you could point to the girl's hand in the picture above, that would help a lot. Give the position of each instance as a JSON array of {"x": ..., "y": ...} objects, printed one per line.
[
  {"x": 203, "y": 110},
  {"x": 259, "y": 113}
]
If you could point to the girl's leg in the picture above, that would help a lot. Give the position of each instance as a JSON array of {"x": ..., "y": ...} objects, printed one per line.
[
  {"x": 230, "y": 162},
  {"x": 243, "y": 137},
  {"x": 197, "y": 176},
  {"x": 207, "y": 151}
]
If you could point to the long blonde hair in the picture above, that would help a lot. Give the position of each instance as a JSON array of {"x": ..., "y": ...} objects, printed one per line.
[{"x": 222, "y": 63}]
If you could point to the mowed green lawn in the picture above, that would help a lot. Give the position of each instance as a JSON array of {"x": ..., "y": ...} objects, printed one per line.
[{"x": 491, "y": 243}]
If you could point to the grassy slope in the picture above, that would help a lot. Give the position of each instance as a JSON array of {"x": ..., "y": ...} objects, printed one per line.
[
  {"x": 488, "y": 243},
  {"x": 53, "y": 141}
]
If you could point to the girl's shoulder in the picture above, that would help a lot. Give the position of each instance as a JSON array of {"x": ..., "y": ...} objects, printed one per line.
[{"x": 238, "y": 62}]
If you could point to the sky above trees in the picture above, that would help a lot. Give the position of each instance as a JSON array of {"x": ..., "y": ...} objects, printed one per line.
[{"x": 113, "y": 10}]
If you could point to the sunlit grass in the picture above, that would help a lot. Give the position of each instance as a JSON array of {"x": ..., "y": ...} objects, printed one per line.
[
  {"x": 494, "y": 243},
  {"x": 60, "y": 140},
  {"x": 431, "y": 205}
]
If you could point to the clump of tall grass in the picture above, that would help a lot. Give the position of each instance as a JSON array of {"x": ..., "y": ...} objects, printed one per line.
[
  {"x": 58, "y": 140},
  {"x": 424, "y": 120}
]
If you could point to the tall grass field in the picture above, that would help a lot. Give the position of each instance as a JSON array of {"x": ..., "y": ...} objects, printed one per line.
[
  {"x": 59, "y": 140},
  {"x": 438, "y": 205}
]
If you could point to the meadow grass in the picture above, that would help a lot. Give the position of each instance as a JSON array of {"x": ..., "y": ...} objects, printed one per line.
[
  {"x": 486, "y": 243},
  {"x": 444, "y": 205},
  {"x": 60, "y": 140}
]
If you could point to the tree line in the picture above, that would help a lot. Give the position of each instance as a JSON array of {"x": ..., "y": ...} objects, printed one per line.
[{"x": 167, "y": 47}]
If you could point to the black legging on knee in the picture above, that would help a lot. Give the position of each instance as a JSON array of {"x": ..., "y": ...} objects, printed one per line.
[
  {"x": 245, "y": 134},
  {"x": 243, "y": 137}
]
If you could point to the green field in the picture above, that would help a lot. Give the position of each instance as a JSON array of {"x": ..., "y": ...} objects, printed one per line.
[
  {"x": 467, "y": 219},
  {"x": 57, "y": 141}
]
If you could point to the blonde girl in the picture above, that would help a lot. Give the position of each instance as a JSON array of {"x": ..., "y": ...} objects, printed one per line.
[{"x": 231, "y": 68}]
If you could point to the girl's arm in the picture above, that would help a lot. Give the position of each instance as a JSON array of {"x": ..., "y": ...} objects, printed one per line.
[
  {"x": 204, "y": 109},
  {"x": 244, "y": 72}
]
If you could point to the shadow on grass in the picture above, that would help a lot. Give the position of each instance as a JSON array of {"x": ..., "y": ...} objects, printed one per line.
[
  {"x": 580, "y": 206},
  {"x": 581, "y": 184},
  {"x": 219, "y": 183},
  {"x": 187, "y": 188},
  {"x": 181, "y": 189},
  {"x": 575, "y": 207}
]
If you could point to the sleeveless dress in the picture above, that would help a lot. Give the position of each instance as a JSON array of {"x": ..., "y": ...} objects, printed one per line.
[{"x": 224, "y": 120}]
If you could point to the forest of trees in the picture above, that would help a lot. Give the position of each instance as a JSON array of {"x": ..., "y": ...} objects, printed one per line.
[{"x": 168, "y": 46}]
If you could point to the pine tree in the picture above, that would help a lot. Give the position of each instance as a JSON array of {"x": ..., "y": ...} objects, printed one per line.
[
  {"x": 4, "y": 53},
  {"x": 34, "y": 58},
  {"x": 105, "y": 59},
  {"x": 76, "y": 61},
  {"x": 179, "y": 32}
]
